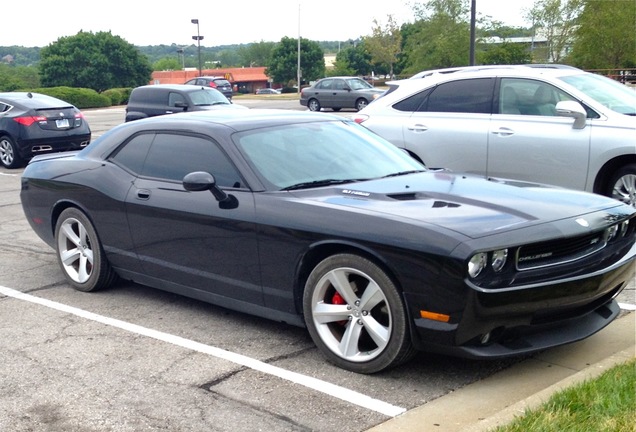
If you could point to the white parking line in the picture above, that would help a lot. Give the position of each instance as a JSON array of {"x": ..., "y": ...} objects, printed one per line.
[
  {"x": 332, "y": 390},
  {"x": 627, "y": 306}
]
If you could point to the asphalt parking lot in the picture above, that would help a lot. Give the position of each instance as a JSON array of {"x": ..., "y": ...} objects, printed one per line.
[{"x": 136, "y": 359}]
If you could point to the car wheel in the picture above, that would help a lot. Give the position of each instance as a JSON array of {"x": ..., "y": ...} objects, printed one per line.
[
  {"x": 80, "y": 252},
  {"x": 622, "y": 186},
  {"x": 355, "y": 315},
  {"x": 9, "y": 156},
  {"x": 336, "y": 109},
  {"x": 361, "y": 103},
  {"x": 313, "y": 105}
]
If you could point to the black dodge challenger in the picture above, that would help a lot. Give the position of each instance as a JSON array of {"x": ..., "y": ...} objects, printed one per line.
[{"x": 310, "y": 219}]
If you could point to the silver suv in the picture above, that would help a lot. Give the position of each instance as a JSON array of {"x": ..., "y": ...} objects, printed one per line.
[{"x": 549, "y": 124}]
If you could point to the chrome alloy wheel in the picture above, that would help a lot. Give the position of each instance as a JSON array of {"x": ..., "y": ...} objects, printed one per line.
[
  {"x": 351, "y": 314},
  {"x": 625, "y": 189},
  {"x": 75, "y": 250}
]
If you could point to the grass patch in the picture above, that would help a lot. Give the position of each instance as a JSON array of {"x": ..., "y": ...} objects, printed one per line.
[{"x": 604, "y": 404}]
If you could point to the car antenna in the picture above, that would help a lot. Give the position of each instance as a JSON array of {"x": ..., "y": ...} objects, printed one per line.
[{"x": 30, "y": 95}]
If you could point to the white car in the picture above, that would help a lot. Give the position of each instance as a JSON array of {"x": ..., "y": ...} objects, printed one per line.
[{"x": 550, "y": 124}]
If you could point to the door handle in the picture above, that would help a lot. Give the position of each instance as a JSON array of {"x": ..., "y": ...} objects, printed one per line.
[
  {"x": 504, "y": 131},
  {"x": 143, "y": 194},
  {"x": 417, "y": 127}
]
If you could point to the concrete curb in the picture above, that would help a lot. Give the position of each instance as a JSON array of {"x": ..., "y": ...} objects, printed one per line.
[{"x": 496, "y": 400}]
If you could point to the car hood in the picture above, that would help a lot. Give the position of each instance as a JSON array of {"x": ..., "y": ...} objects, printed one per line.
[
  {"x": 220, "y": 106},
  {"x": 470, "y": 205}
]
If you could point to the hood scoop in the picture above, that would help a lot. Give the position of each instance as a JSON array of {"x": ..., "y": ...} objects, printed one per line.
[{"x": 412, "y": 196}]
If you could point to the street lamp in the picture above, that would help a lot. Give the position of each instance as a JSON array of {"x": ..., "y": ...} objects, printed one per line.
[
  {"x": 198, "y": 38},
  {"x": 181, "y": 55}
]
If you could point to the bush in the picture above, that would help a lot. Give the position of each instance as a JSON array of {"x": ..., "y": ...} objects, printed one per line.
[
  {"x": 80, "y": 97},
  {"x": 118, "y": 96}
]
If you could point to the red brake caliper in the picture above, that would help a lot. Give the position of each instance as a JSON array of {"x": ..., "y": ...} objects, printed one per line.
[{"x": 338, "y": 300}]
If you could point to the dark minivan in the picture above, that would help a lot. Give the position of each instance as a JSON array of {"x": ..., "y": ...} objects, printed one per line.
[{"x": 160, "y": 99}]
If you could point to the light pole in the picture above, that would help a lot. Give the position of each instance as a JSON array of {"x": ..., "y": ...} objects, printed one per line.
[
  {"x": 197, "y": 38},
  {"x": 181, "y": 55}
]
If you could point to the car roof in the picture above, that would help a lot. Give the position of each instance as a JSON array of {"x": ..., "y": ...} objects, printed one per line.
[
  {"x": 176, "y": 87},
  {"x": 33, "y": 100},
  {"x": 554, "y": 69}
]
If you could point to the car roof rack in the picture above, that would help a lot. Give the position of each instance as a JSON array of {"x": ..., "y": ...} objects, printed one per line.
[{"x": 431, "y": 72}]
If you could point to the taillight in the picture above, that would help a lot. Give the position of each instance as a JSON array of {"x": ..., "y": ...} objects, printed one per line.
[
  {"x": 359, "y": 118},
  {"x": 79, "y": 115},
  {"x": 29, "y": 120},
  {"x": 212, "y": 84}
]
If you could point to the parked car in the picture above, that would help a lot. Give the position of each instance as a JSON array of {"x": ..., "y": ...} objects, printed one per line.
[
  {"x": 549, "y": 124},
  {"x": 267, "y": 91},
  {"x": 153, "y": 100},
  {"x": 33, "y": 123},
  {"x": 219, "y": 83},
  {"x": 310, "y": 219},
  {"x": 339, "y": 92}
]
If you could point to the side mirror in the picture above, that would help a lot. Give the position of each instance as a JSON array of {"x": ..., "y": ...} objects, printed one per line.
[
  {"x": 201, "y": 181},
  {"x": 183, "y": 105},
  {"x": 572, "y": 109}
]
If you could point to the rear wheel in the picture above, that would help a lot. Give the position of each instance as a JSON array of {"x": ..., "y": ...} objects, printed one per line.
[
  {"x": 313, "y": 105},
  {"x": 80, "y": 252},
  {"x": 622, "y": 185},
  {"x": 355, "y": 315},
  {"x": 9, "y": 156}
]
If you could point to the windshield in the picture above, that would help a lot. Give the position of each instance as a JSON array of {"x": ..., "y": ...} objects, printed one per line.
[
  {"x": 320, "y": 153},
  {"x": 206, "y": 96},
  {"x": 358, "y": 84},
  {"x": 610, "y": 93}
]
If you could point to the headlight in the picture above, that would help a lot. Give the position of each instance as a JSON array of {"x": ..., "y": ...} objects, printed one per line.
[
  {"x": 611, "y": 232},
  {"x": 624, "y": 227},
  {"x": 477, "y": 263},
  {"x": 498, "y": 260}
]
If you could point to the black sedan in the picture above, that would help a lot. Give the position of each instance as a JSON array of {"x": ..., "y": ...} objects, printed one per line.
[
  {"x": 33, "y": 123},
  {"x": 311, "y": 219}
]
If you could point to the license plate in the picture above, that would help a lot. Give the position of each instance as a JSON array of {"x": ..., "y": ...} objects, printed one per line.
[{"x": 63, "y": 123}]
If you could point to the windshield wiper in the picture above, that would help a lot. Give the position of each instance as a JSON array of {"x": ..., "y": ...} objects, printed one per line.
[
  {"x": 319, "y": 183},
  {"x": 401, "y": 173}
]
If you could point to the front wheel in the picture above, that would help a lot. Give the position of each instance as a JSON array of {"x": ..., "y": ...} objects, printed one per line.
[
  {"x": 355, "y": 315},
  {"x": 622, "y": 185},
  {"x": 80, "y": 253},
  {"x": 314, "y": 105},
  {"x": 9, "y": 156},
  {"x": 361, "y": 103}
]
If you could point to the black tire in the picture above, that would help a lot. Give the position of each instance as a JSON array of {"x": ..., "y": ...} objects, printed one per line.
[
  {"x": 361, "y": 103},
  {"x": 336, "y": 109},
  {"x": 349, "y": 298},
  {"x": 80, "y": 253},
  {"x": 622, "y": 185},
  {"x": 313, "y": 105},
  {"x": 9, "y": 156}
]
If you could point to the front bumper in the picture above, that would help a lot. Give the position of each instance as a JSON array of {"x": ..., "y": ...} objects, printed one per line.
[{"x": 531, "y": 318}]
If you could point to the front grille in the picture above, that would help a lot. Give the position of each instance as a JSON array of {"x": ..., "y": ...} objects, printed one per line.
[{"x": 560, "y": 251}]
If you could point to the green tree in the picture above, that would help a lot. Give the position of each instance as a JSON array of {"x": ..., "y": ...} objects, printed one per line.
[
  {"x": 283, "y": 64},
  {"x": 352, "y": 60},
  {"x": 505, "y": 53},
  {"x": 166, "y": 63},
  {"x": 439, "y": 38},
  {"x": 557, "y": 21},
  {"x": 605, "y": 38},
  {"x": 384, "y": 44},
  {"x": 97, "y": 61},
  {"x": 14, "y": 78},
  {"x": 256, "y": 54}
]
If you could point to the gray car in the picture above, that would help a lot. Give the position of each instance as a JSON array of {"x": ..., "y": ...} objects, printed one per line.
[
  {"x": 339, "y": 92},
  {"x": 541, "y": 123}
]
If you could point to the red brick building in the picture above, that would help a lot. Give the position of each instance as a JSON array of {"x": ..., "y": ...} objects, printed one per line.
[{"x": 244, "y": 80}]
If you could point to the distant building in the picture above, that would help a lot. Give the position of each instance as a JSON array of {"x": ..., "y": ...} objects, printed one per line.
[{"x": 244, "y": 80}]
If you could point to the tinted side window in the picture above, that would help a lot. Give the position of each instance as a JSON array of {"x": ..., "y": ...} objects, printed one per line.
[
  {"x": 173, "y": 156},
  {"x": 413, "y": 103},
  {"x": 174, "y": 98},
  {"x": 133, "y": 154},
  {"x": 465, "y": 96}
]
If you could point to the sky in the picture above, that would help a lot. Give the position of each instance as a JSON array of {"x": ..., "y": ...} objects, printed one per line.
[{"x": 235, "y": 22}]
